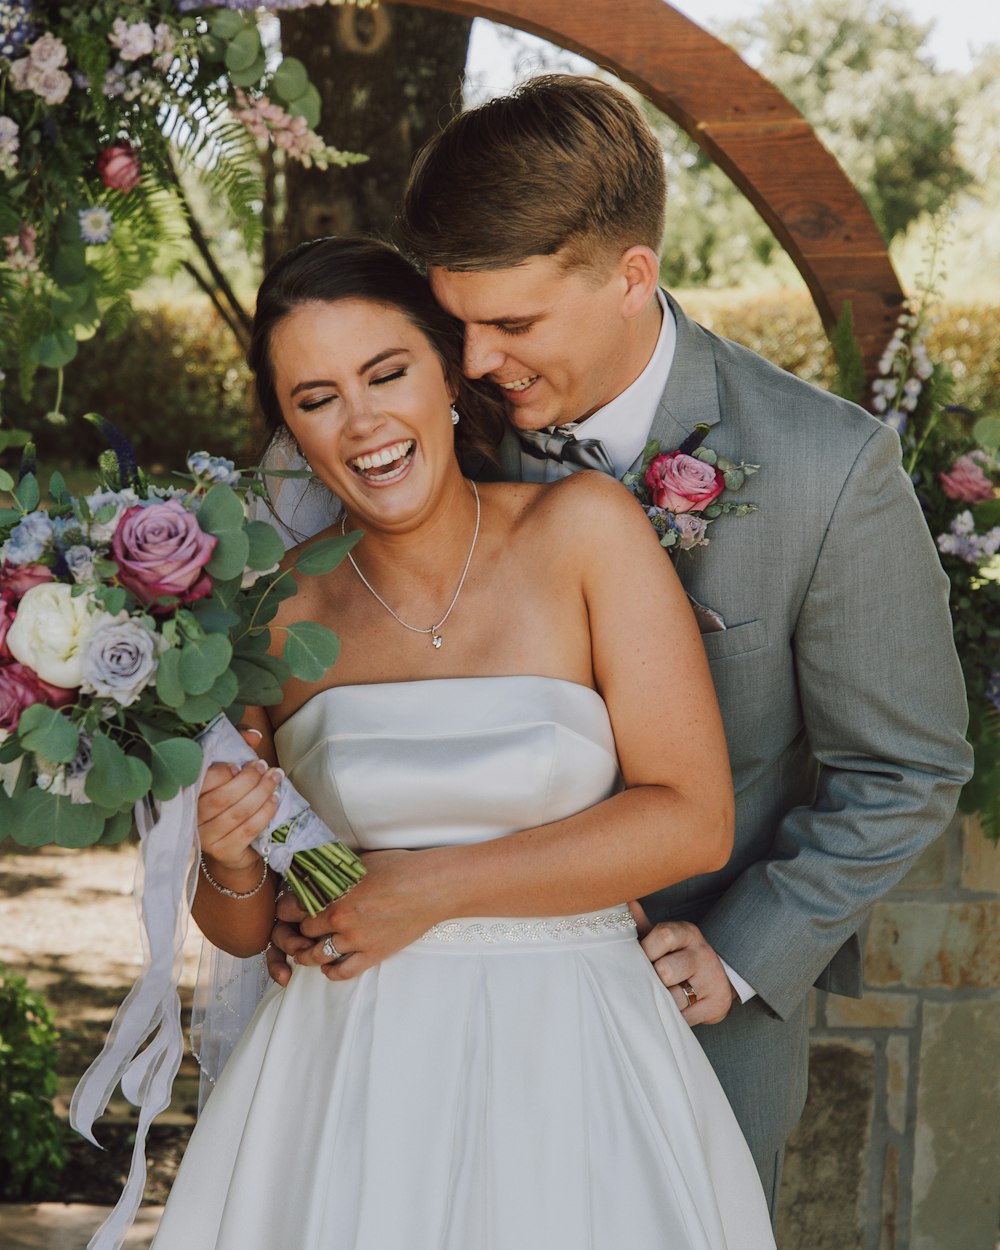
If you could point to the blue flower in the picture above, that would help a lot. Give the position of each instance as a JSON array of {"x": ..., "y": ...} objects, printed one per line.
[
  {"x": 96, "y": 225},
  {"x": 212, "y": 469},
  {"x": 28, "y": 539}
]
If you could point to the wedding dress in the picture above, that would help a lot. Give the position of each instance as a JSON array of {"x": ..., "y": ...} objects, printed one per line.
[{"x": 500, "y": 1084}]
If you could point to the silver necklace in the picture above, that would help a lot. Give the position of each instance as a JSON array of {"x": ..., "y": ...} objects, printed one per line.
[{"x": 433, "y": 630}]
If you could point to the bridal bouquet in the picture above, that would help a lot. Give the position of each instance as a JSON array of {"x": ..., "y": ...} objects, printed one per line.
[{"x": 134, "y": 626}]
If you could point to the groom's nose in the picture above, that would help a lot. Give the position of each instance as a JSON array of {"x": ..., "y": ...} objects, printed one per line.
[{"x": 483, "y": 352}]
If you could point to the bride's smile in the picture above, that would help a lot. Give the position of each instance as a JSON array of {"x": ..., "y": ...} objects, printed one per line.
[{"x": 368, "y": 400}]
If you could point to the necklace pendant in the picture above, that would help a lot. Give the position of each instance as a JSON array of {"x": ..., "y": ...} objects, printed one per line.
[{"x": 436, "y": 640}]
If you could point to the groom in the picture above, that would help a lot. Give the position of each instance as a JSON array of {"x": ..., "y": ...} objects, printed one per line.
[{"x": 824, "y": 613}]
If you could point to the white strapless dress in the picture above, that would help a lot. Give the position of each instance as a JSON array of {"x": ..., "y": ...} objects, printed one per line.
[{"x": 502, "y": 1083}]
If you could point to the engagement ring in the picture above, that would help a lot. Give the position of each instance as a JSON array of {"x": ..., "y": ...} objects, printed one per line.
[{"x": 330, "y": 950}]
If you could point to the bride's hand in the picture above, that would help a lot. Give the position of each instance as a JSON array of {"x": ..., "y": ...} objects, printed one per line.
[
  {"x": 234, "y": 806},
  {"x": 394, "y": 904}
]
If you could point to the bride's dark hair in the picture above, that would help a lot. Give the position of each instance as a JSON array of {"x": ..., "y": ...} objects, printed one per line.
[{"x": 353, "y": 267}]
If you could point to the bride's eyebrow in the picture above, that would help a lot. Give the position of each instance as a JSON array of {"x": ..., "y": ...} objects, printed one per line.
[{"x": 369, "y": 364}]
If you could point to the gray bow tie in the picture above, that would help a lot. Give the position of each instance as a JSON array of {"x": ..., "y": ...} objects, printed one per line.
[{"x": 566, "y": 449}]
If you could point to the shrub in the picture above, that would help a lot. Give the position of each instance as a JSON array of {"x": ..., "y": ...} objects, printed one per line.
[
  {"x": 174, "y": 381},
  {"x": 31, "y": 1138},
  {"x": 784, "y": 327}
]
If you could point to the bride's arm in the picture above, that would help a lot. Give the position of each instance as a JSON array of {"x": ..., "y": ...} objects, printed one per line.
[
  {"x": 674, "y": 820},
  {"x": 234, "y": 805}
]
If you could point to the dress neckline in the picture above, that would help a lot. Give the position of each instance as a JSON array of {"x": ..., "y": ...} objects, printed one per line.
[{"x": 432, "y": 681}]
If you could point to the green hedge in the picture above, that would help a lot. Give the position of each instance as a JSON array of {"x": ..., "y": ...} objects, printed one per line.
[
  {"x": 175, "y": 382},
  {"x": 785, "y": 327}
]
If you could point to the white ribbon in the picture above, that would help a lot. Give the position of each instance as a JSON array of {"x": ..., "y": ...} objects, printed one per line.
[{"x": 165, "y": 883}]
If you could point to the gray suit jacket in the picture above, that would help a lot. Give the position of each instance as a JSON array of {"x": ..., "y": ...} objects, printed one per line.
[{"x": 837, "y": 676}]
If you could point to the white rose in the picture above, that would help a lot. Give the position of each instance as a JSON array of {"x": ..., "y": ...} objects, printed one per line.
[
  {"x": 50, "y": 632},
  {"x": 48, "y": 52}
]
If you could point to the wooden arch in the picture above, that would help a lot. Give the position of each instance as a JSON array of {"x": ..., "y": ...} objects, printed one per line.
[{"x": 747, "y": 127}]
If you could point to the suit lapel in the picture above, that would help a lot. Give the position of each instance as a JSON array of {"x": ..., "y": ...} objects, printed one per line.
[{"x": 691, "y": 396}]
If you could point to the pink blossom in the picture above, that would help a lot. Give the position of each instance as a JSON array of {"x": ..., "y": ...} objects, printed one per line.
[
  {"x": 162, "y": 550},
  {"x": 680, "y": 483},
  {"x": 7, "y": 613},
  {"x": 119, "y": 167},
  {"x": 966, "y": 482},
  {"x": 20, "y": 688},
  {"x": 15, "y": 579}
]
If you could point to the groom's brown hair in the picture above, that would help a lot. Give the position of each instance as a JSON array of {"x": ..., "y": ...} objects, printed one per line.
[{"x": 562, "y": 162}]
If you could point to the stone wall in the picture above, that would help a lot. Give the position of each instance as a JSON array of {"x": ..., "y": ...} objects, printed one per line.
[{"x": 899, "y": 1146}]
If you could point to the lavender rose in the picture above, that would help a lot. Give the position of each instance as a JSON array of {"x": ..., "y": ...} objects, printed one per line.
[
  {"x": 680, "y": 483},
  {"x": 161, "y": 550},
  {"x": 691, "y": 530},
  {"x": 120, "y": 660}
]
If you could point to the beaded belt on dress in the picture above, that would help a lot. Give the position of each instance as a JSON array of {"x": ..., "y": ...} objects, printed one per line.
[{"x": 552, "y": 929}]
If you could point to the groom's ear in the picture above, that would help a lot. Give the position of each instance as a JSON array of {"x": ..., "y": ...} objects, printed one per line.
[{"x": 639, "y": 269}]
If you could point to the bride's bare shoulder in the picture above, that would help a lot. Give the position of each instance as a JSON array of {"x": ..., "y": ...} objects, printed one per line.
[{"x": 584, "y": 502}]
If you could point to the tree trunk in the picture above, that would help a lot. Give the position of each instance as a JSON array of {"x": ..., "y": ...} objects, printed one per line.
[{"x": 387, "y": 77}]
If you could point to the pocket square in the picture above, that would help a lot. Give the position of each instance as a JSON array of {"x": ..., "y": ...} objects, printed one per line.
[{"x": 709, "y": 621}]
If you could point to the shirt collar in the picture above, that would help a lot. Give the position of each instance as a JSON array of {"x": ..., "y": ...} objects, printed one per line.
[{"x": 623, "y": 424}]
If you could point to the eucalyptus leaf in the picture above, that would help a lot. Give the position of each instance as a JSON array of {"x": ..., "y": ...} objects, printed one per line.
[
  {"x": 226, "y": 24},
  {"x": 174, "y": 762},
  {"x": 57, "y": 485},
  {"x": 308, "y": 106},
  {"x": 213, "y": 616},
  {"x": 290, "y": 79},
  {"x": 6, "y": 481},
  {"x": 199, "y": 709},
  {"x": 114, "y": 777},
  {"x": 734, "y": 479},
  {"x": 117, "y": 827},
  {"x": 48, "y": 733},
  {"x": 69, "y": 268},
  {"x": 986, "y": 432},
  {"x": 243, "y": 50},
  {"x": 266, "y": 548},
  {"x": 310, "y": 649},
  {"x": 201, "y": 662},
  {"x": 321, "y": 557},
  {"x": 706, "y": 454},
  {"x": 38, "y": 818},
  {"x": 250, "y": 76},
  {"x": 258, "y": 687},
  {"x": 169, "y": 687},
  {"x": 221, "y": 514}
]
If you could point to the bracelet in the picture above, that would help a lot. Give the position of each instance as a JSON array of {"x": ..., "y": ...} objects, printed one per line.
[{"x": 223, "y": 889}]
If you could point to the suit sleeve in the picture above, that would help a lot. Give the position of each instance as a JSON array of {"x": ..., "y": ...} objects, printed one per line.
[{"x": 883, "y": 703}]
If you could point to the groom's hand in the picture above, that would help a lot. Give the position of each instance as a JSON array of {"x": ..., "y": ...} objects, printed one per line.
[
  {"x": 680, "y": 954},
  {"x": 286, "y": 937}
]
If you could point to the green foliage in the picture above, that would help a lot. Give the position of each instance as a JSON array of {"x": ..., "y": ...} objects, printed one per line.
[
  {"x": 31, "y": 1137},
  {"x": 850, "y": 379},
  {"x": 173, "y": 380}
]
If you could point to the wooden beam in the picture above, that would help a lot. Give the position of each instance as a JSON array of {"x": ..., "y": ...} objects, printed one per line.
[{"x": 747, "y": 127}]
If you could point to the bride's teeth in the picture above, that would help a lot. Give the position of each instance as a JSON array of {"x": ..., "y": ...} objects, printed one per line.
[{"x": 387, "y": 455}]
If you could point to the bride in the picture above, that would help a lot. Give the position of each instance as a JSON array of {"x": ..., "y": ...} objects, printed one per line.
[{"x": 502, "y": 739}]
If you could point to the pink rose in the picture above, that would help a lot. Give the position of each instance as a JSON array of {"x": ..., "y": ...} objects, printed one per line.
[
  {"x": 15, "y": 579},
  {"x": 119, "y": 167},
  {"x": 681, "y": 483},
  {"x": 966, "y": 482},
  {"x": 162, "y": 550},
  {"x": 20, "y": 688},
  {"x": 7, "y": 613}
]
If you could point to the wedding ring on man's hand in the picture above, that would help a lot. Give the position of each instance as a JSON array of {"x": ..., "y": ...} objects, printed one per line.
[
  {"x": 330, "y": 950},
  {"x": 689, "y": 994}
]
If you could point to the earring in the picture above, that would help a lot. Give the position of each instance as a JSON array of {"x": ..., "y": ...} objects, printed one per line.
[{"x": 454, "y": 415}]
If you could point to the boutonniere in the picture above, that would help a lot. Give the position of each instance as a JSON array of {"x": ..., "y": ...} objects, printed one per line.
[{"x": 681, "y": 490}]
